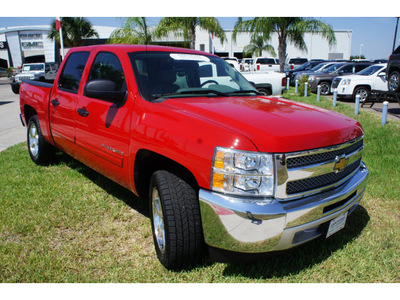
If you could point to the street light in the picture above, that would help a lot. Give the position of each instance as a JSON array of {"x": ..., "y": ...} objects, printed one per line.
[{"x": 360, "y": 50}]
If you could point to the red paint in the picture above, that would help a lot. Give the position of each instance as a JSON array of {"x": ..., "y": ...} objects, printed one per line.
[{"x": 186, "y": 130}]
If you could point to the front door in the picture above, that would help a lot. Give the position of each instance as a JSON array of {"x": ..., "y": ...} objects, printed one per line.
[{"x": 103, "y": 126}]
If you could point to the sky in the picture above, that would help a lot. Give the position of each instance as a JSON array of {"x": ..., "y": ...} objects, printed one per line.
[{"x": 373, "y": 32}]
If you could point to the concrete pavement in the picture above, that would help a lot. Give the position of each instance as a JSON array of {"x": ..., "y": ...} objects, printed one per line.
[{"x": 11, "y": 130}]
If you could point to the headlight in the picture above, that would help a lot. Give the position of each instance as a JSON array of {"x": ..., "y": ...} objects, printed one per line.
[
  {"x": 311, "y": 78},
  {"x": 242, "y": 172},
  {"x": 346, "y": 81}
]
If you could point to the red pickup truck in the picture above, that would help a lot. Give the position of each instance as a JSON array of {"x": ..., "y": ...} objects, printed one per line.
[{"x": 225, "y": 170}]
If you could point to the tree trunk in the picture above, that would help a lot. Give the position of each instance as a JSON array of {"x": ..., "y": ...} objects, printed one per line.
[
  {"x": 282, "y": 53},
  {"x": 192, "y": 37}
]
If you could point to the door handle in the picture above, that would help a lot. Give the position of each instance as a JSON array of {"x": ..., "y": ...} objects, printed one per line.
[
  {"x": 83, "y": 112},
  {"x": 55, "y": 102}
]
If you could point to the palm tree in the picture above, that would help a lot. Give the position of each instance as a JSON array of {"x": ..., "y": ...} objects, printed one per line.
[
  {"x": 257, "y": 46},
  {"x": 186, "y": 26},
  {"x": 75, "y": 31},
  {"x": 288, "y": 30},
  {"x": 135, "y": 30}
]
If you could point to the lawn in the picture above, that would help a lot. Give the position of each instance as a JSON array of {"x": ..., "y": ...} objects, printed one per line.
[{"x": 67, "y": 223}]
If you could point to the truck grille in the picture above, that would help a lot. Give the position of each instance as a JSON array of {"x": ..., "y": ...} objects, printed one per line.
[
  {"x": 307, "y": 172},
  {"x": 307, "y": 160},
  {"x": 313, "y": 183},
  {"x": 335, "y": 82}
]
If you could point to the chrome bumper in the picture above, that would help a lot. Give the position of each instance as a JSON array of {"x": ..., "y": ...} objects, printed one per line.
[{"x": 264, "y": 225}]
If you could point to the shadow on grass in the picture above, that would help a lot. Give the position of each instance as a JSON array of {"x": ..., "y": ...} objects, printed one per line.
[
  {"x": 106, "y": 184},
  {"x": 305, "y": 256}
]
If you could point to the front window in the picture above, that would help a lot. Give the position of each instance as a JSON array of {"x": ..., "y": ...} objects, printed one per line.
[
  {"x": 370, "y": 70},
  {"x": 166, "y": 74},
  {"x": 332, "y": 68}
]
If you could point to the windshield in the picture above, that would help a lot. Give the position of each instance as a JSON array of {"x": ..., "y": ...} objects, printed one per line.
[
  {"x": 332, "y": 68},
  {"x": 370, "y": 70},
  {"x": 166, "y": 74},
  {"x": 34, "y": 67}
]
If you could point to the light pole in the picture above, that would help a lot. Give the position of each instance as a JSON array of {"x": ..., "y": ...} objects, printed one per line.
[{"x": 360, "y": 50}]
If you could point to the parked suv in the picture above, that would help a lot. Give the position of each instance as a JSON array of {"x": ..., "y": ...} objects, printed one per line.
[
  {"x": 34, "y": 71},
  {"x": 324, "y": 79},
  {"x": 393, "y": 71}
]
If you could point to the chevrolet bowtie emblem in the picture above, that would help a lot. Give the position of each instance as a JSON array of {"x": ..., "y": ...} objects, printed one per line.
[{"x": 341, "y": 163}]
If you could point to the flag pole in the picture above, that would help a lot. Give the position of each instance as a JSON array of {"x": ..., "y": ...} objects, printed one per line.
[{"x": 61, "y": 36}]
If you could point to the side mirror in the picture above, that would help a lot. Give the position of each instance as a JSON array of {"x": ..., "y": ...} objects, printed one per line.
[
  {"x": 104, "y": 89},
  {"x": 382, "y": 74}
]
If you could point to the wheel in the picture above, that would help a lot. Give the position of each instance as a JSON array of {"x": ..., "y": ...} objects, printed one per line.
[
  {"x": 393, "y": 81},
  {"x": 325, "y": 88},
  {"x": 208, "y": 81},
  {"x": 40, "y": 151},
  {"x": 15, "y": 88},
  {"x": 265, "y": 91},
  {"x": 362, "y": 91},
  {"x": 175, "y": 220}
]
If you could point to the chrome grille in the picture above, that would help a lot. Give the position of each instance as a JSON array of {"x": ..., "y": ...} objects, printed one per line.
[
  {"x": 304, "y": 185},
  {"x": 335, "y": 82},
  {"x": 308, "y": 172},
  {"x": 307, "y": 160}
]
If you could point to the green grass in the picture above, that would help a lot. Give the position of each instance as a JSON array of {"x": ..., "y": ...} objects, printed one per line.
[{"x": 67, "y": 223}]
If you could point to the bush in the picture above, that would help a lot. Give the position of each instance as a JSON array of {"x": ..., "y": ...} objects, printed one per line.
[
  {"x": 9, "y": 71},
  {"x": 301, "y": 86}
]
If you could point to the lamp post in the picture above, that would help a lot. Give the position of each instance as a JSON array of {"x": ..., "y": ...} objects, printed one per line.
[{"x": 360, "y": 50}]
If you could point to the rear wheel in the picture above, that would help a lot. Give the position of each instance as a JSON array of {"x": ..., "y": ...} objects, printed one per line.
[
  {"x": 393, "y": 81},
  {"x": 175, "y": 220},
  {"x": 40, "y": 151}
]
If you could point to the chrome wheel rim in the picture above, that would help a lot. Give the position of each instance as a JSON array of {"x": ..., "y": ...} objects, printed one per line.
[
  {"x": 363, "y": 94},
  {"x": 393, "y": 82},
  {"x": 325, "y": 89},
  {"x": 158, "y": 220},
  {"x": 33, "y": 140}
]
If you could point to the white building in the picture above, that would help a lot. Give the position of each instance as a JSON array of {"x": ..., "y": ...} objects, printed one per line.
[{"x": 30, "y": 44}]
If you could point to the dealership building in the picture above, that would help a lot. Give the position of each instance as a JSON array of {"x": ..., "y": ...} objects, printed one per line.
[{"x": 26, "y": 44}]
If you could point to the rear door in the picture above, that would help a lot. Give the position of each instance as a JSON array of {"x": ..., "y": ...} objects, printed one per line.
[
  {"x": 103, "y": 126},
  {"x": 64, "y": 99}
]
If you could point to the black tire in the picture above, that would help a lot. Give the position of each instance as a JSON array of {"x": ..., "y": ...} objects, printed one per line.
[
  {"x": 394, "y": 81},
  {"x": 265, "y": 91},
  {"x": 15, "y": 88},
  {"x": 325, "y": 88},
  {"x": 41, "y": 152},
  {"x": 175, "y": 220},
  {"x": 363, "y": 91}
]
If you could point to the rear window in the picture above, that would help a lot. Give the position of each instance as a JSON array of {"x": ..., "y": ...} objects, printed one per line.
[
  {"x": 71, "y": 75},
  {"x": 298, "y": 61},
  {"x": 266, "y": 61}
]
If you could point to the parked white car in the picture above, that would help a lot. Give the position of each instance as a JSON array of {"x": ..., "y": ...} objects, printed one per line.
[
  {"x": 361, "y": 83},
  {"x": 265, "y": 64},
  {"x": 270, "y": 83},
  {"x": 245, "y": 64}
]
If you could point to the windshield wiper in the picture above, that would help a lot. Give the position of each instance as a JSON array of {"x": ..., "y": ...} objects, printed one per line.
[
  {"x": 194, "y": 91},
  {"x": 244, "y": 92}
]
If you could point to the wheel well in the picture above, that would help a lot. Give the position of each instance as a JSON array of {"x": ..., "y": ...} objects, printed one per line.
[
  {"x": 362, "y": 85},
  {"x": 29, "y": 111},
  {"x": 393, "y": 68},
  {"x": 148, "y": 162}
]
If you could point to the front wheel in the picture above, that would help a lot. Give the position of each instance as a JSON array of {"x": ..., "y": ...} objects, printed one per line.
[
  {"x": 362, "y": 91},
  {"x": 40, "y": 151},
  {"x": 325, "y": 88},
  {"x": 175, "y": 219},
  {"x": 393, "y": 81}
]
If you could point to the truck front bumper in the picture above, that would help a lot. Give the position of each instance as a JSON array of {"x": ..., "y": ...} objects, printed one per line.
[{"x": 256, "y": 226}]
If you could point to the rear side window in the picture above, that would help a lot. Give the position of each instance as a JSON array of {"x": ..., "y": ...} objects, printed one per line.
[{"x": 71, "y": 75}]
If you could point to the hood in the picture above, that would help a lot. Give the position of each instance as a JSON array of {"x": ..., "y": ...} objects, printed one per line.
[{"x": 273, "y": 125}]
